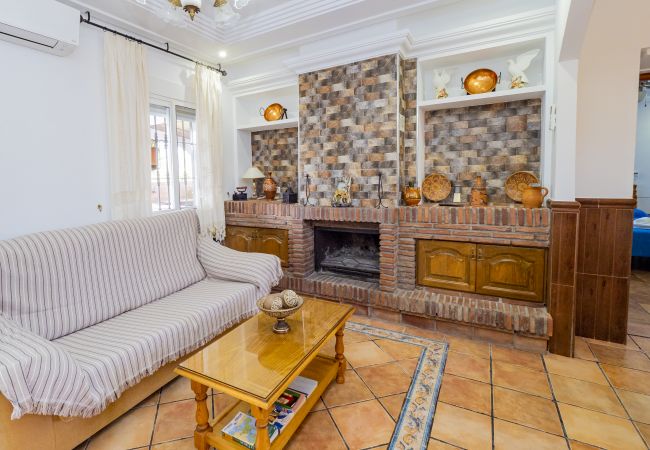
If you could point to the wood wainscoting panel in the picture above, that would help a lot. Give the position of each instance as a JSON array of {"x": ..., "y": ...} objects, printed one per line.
[
  {"x": 562, "y": 263},
  {"x": 603, "y": 271}
]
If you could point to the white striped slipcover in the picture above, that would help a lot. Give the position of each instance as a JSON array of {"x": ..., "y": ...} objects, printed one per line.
[{"x": 79, "y": 373}]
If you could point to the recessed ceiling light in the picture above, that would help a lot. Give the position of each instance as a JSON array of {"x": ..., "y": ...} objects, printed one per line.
[{"x": 222, "y": 54}]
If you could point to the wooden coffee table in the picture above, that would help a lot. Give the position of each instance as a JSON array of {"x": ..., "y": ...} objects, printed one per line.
[{"x": 255, "y": 366}]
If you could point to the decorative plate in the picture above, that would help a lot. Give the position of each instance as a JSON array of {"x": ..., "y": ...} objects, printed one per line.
[
  {"x": 517, "y": 182},
  {"x": 480, "y": 81},
  {"x": 436, "y": 187}
]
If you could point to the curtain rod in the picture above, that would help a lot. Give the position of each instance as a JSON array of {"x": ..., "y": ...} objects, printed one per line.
[{"x": 140, "y": 41}]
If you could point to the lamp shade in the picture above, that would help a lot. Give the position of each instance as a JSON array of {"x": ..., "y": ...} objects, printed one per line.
[{"x": 253, "y": 173}]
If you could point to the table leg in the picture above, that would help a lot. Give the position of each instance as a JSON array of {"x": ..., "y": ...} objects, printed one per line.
[
  {"x": 340, "y": 376},
  {"x": 262, "y": 440},
  {"x": 203, "y": 426}
]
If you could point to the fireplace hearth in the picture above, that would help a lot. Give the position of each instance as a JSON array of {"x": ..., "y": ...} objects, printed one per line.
[{"x": 347, "y": 251}]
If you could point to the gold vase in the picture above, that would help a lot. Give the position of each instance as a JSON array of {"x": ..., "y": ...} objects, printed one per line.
[{"x": 270, "y": 187}]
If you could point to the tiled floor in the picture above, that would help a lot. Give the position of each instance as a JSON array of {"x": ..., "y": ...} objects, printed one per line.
[{"x": 490, "y": 397}]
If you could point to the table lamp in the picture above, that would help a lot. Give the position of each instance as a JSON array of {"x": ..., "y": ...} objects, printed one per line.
[{"x": 254, "y": 174}]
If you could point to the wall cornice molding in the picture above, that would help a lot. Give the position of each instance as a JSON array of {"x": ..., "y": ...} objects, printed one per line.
[
  {"x": 483, "y": 34},
  {"x": 262, "y": 82}
]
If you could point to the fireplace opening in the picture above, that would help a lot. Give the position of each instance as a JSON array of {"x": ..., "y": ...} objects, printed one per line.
[{"x": 351, "y": 251}]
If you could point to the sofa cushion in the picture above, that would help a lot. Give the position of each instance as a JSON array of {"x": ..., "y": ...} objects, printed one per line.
[
  {"x": 121, "y": 351},
  {"x": 223, "y": 263},
  {"x": 58, "y": 282}
]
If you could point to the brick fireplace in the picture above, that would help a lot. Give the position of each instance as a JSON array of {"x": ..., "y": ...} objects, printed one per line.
[{"x": 395, "y": 294}]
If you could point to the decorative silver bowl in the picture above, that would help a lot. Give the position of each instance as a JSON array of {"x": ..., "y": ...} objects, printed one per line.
[{"x": 281, "y": 326}]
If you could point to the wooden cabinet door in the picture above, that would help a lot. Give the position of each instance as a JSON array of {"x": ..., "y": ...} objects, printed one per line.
[
  {"x": 447, "y": 265},
  {"x": 275, "y": 242},
  {"x": 511, "y": 272},
  {"x": 240, "y": 238}
]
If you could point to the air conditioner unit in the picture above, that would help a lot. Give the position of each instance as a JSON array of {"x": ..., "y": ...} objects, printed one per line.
[{"x": 45, "y": 25}]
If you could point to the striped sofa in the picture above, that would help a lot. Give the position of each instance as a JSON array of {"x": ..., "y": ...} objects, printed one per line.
[{"x": 89, "y": 315}]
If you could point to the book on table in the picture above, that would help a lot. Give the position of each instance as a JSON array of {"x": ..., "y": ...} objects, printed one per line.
[{"x": 241, "y": 429}]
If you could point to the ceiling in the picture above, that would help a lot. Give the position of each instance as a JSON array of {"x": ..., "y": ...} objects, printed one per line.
[{"x": 264, "y": 24}]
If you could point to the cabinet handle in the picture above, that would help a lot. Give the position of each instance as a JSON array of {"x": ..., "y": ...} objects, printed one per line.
[
  {"x": 480, "y": 254},
  {"x": 472, "y": 254}
]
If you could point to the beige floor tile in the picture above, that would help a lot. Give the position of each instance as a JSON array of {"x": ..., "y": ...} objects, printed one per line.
[
  {"x": 393, "y": 404},
  {"x": 175, "y": 421},
  {"x": 630, "y": 344},
  {"x": 520, "y": 379},
  {"x": 152, "y": 400},
  {"x": 575, "y": 445},
  {"x": 637, "y": 405},
  {"x": 319, "y": 405},
  {"x": 130, "y": 431},
  {"x": 631, "y": 359},
  {"x": 363, "y": 425},
  {"x": 428, "y": 334},
  {"x": 351, "y": 337},
  {"x": 435, "y": 444},
  {"x": 510, "y": 436},
  {"x": 600, "y": 429},
  {"x": 574, "y": 368},
  {"x": 644, "y": 429},
  {"x": 409, "y": 365},
  {"x": 182, "y": 444},
  {"x": 465, "y": 393},
  {"x": 525, "y": 409},
  {"x": 645, "y": 306},
  {"x": 628, "y": 379},
  {"x": 518, "y": 357},
  {"x": 392, "y": 326},
  {"x": 581, "y": 350},
  {"x": 179, "y": 389},
  {"x": 222, "y": 402},
  {"x": 385, "y": 379},
  {"x": 586, "y": 395},
  {"x": 399, "y": 350},
  {"x": 468, "y": 366},
  {"x": 352, "y": 391},
  {"x": 367, "y": 353},
  {"x": 463, "y": 428},
  {"x": 642, "y": 342},
  {"x": 317, "y": 432},
  {"x": 469, "y": 347}
]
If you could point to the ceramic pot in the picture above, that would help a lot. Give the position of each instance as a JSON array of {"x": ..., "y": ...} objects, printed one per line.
[
  {"x": 270, "y": 187},
  {"x": 411, "y": 195},
  {"x": 533, "y": 196},
  {"x": 478, "y": 196}
]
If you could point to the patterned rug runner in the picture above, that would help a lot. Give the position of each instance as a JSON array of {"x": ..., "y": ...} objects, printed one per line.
[{"x": 413, "y": 426}]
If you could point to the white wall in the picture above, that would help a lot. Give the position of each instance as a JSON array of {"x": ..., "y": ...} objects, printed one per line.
[
  {"x": 53, "y": 161},
  {"x": 53, "y": 151},
  {"x": 607, "y": 98},
  {"x": 642, "y": 157}
]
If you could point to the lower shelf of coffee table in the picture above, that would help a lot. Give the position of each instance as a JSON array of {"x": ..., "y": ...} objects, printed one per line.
[{"x": 323, "y": 369}]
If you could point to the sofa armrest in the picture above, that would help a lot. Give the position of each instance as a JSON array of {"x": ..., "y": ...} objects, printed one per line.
[
  {"x": 223, "y": 263},
  {"x": 39, "y": 377}
]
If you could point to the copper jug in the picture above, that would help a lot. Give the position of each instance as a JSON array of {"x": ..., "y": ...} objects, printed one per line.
[
  {"x": 411, "y": 195},
  {"x": 270, "y": 187},
  {"x": 533, "y": 196},
  {"x": 478, "y": 196}
]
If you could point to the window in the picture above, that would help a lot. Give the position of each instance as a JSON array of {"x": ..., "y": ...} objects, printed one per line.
[{"x": 173, "y": 147}]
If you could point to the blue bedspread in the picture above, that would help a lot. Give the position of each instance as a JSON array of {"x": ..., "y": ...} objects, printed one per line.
[{"x": 641, "y": 242}]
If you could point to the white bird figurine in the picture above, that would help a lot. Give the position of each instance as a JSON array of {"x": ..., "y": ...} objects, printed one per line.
[
  {"x": 440, "y": 80},
  {"x": 516, "y": 68}
]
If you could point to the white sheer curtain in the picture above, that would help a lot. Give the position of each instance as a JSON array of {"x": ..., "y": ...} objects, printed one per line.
[
  {"x": 127, "y": 107},
  {"x": 209, "y": 162}
]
